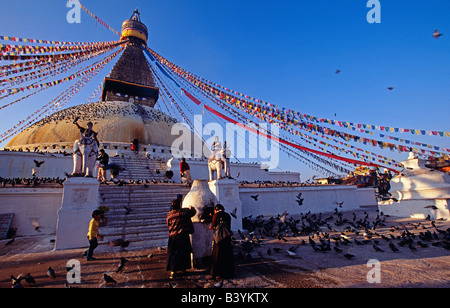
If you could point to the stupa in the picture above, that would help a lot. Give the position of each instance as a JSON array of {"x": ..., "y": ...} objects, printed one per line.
[
  {"x": 418, "y": 191},
  {"x": 125, "y": 113}
]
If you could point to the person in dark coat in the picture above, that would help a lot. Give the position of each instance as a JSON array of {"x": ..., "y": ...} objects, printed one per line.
[
  {"x": 222, "y": 257},
  {"x": 179, "y": 247},
  {"x": 103, "y": 161}
]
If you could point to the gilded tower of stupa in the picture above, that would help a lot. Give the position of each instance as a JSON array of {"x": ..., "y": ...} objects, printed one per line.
[{"x": 125, "y": 113}]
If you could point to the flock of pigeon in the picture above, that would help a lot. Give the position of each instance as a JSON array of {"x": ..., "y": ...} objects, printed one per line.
[
  {"x": 16, "y": 282},
  {"x": 30, "y": 182},
  {"x": 330, "y": 233},
  {"x": 34, "y": 180},
  {"x": 334, "y": 233},
  {"x": 95, "y": 111},
  {"x": 269, "y": 183}
]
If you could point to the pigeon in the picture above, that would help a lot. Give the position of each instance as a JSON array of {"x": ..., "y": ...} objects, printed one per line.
[
  {"x": 35, "y": 223},
  {"x": 291, "y": 253},
  {"x": 283, "y": 217},
  {"x": 38, "y": 164},
  {"x": 299, "y": 199},
  {"x": 433, "y": 207},
  {"x": 10, "y": 242},
  {"x": 15, "y": 282},
  {"x": 122, "y": 264},
  {"x": 255, "y": 197},
  {"x": 127, "y": 210},
  {"x": 51, "y": 272},
  {"x": 338, "y": 250},
  {"x": 118, "y": 242},
  {"x": 377, "y": 249},
  {"x": 393, "y": 248},
  {"x": 108, "y": 279},
  {"x": 422, "y": 244},
  {"x": 339, "y": 204},
  {"x": 437, "y": 34},
  {"x": 30, "y": 279},
  {"x": 233, "y": 213},
  {"x": 359, "y": 243}
]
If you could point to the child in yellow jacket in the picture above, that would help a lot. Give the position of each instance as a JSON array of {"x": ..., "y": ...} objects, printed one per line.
[{"x": 93, "y": 234}]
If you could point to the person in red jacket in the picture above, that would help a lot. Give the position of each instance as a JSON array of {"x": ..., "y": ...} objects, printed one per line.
[{"x": 185, "y": 172}]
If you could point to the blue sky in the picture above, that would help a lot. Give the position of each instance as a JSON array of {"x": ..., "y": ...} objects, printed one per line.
[{"x": 283, "y": 52}]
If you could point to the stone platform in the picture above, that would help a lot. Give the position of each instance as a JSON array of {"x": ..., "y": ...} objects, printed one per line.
[{"x": 423, "y": 267}]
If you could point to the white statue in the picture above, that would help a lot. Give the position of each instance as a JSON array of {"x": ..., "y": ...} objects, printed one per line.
[
  {"x": 220, "y": 159},
  {"x": 85, "y": 151}
]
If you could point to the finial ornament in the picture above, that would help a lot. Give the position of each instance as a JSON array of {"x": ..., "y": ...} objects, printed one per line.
[{"x": 136, "y": 15}]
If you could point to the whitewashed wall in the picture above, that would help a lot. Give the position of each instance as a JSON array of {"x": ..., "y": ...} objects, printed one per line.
[
  {"x": 42, "y": 204},
  {"x": 275, "y": 200},
  {"x": 32, "y": 204},
  {"x": 20, "y": 164}
]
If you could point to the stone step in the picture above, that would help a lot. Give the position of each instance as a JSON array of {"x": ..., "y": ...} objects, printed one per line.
[
  {"x": 154, "y": 198},
  {"x": 119, "y": 215},
  {"x": 134, "y": 230},
  {"x": 136, "y": 211},
  {"x": 137, "y": 244},
  {"x": 141, "y": 187},
  {"x": 140, "y": 168},
  {"x": 145, "y": 226},
  {"x": 111, "y": 188}
]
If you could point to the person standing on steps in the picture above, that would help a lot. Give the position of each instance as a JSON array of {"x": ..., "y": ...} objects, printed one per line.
[
  {"x": 103, "y": 162},
  {"x": 185, "y": 172}
]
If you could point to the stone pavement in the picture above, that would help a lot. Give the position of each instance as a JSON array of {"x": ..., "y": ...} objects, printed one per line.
[{"x": 256, "y": 267}]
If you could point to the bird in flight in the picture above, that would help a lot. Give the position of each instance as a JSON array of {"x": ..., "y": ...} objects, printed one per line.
[
  {"x": 299, "y": 199},
  {"x": 437, "y": 34},
  {"x": 38, "y": 163},
  {"x": 339, "y": 204},
  {"x": 233, "y": 213}
]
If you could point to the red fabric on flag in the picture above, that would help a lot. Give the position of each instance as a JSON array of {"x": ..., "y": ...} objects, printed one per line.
[
  {"x": 191, "y": 97},
  {"x": 348, "y": 160}
]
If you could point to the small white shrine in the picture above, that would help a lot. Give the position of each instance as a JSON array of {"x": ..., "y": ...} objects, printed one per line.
[{"x": 418, "y": 192}]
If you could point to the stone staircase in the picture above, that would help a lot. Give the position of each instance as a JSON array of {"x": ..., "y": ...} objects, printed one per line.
[
  {"x": 145, "y": 225},
  {"x": 137, "y": 168}
]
